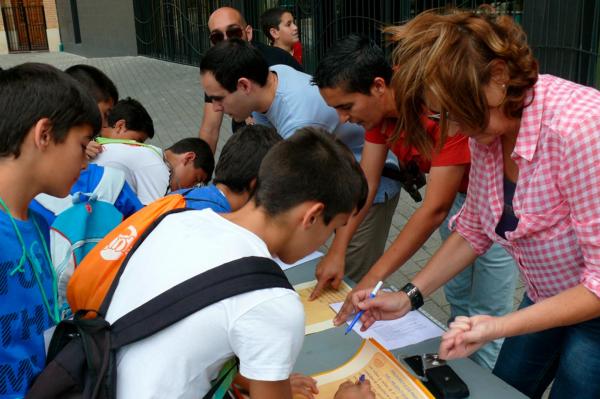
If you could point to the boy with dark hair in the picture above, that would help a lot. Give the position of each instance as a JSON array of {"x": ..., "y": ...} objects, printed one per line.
[
  {"x": 279, "y": 27},
  {"x": 232, "y": 74},
  {"x": 150, "y": 172},
  {"x": 236, "y": 171},
  {"x": 360, "y": 90},
  {"x": 46, "y": 121},
  {"x": 129, "y": 120},
  {"x": 307, "y": 187},
  {"x": 93, "y": 178},
  {"x": 191, "y": 162},
  {"x": 98, "y": 85}
]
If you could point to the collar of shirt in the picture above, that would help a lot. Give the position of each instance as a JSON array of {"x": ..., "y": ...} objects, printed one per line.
[{"x": 531, "y": 121}]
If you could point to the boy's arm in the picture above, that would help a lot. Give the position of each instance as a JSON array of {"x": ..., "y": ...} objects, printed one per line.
[
  {"x": 270, "y": 389},
  {"x": 128, "y": 202},
  {"x": 211, "y": 125},
  {"x": 267, "y": 339}
]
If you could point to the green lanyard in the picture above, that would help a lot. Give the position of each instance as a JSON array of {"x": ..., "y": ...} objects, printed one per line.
[
  {"x": 52, "y": 312},
  {"x": 104, "y": 140}
]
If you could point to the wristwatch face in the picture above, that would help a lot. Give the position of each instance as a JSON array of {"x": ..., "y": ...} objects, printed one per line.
[{"x": 416, "y": 299}]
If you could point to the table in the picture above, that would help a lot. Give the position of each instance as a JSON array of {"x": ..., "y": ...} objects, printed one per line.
[{"x": 329, "y": 349}]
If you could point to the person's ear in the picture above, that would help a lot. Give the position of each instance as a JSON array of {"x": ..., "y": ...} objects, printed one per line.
[
  {"x": 42, "y": 133},
  {"x": 499, "y": 72},
  {"x": 120, "y": 126},
  {"x": 189, "y": 157},
  {"x": 312, "y": 214},
  {"x": 252, "y": 185},
  {"x": 495, "y": 90},
  {"x": 249, "y": 32},
  {"x": 244, "y": 85},
  {"x": 378, "y": 87},
  {"x": 274, "y": 33}
]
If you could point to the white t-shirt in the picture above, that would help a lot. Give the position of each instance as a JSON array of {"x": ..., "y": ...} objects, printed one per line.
[
  {"x": 145, "y": 169},
  {"x": 264, "y": 328}
]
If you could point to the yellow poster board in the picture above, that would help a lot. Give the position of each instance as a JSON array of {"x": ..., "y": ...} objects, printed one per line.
[
  {"x": 389, "y": 379},
  {"x": 318, "y": 313}
]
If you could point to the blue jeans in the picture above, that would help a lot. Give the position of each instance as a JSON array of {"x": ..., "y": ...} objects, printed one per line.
[
  {"x": 569, "y": 355},
  {"x": 485, "y": 287}
]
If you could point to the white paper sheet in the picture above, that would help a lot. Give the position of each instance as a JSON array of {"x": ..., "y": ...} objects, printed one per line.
[
  {"x": 411, "y": 329},
  {"x": 285, "y": 266}
]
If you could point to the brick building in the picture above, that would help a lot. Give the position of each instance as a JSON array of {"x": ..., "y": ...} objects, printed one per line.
[{"x": 28, "y": 25}]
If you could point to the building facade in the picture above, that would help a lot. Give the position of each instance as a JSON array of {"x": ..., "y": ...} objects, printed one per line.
[{"x": 28, "y": 25}]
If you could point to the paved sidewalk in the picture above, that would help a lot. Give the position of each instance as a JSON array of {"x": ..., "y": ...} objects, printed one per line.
[{"x": 174, "y": 98}]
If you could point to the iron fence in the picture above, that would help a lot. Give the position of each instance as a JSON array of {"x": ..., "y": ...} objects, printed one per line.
[
  {"x": 176, "y": 30},
  {"x": 25, "y": 27},
  {"x": 565, "y": 37}
]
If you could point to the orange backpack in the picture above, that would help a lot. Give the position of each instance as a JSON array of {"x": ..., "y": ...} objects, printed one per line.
[{"x": 93, "y": 277}]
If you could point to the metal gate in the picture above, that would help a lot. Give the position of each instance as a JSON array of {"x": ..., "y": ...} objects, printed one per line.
[
  {"x": 25, "y": 27},
  {"x": 565, "y": 37},
  {"x": 176, "y": 30}
]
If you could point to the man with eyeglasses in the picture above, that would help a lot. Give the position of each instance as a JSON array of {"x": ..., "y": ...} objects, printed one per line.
[
  {"x": 361, "y": 91},
  {"x": 225, "y": 23}
]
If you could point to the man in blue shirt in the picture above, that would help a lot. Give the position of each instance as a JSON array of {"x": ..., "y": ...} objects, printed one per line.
[{"x": 239, "y": 82}]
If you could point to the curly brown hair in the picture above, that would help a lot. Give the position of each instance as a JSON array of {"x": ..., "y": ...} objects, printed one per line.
[{"x": 449, "y": 54}]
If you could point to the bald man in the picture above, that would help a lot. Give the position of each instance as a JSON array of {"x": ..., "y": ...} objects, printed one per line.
[{"x": 224, "y": 23}]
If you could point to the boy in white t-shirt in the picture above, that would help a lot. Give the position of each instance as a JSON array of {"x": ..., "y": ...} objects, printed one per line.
[
  {"x": 149, "y": 171},
  {"x": 307, "y": 187}
]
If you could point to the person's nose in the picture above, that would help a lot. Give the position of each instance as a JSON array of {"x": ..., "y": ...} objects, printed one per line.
[{"x": 344, "y": 116}]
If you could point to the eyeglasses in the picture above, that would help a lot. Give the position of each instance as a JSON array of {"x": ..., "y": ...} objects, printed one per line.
[{"x": 216, "y": 36}]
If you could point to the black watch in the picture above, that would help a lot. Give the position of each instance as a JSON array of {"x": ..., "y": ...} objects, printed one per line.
[{"x": 416, "y": 299}]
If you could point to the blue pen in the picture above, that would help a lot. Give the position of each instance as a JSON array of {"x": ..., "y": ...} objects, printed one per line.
[{"x": 360, "y": 313}]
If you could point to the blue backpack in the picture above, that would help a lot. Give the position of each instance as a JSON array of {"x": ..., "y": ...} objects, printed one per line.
[{"x": 82, "y": 220}]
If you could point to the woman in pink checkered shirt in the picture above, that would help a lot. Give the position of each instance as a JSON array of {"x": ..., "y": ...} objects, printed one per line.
[{"x": 534, "y": 188}]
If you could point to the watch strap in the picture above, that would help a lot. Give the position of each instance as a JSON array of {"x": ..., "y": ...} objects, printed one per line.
[{"x": 414, "y": 295}]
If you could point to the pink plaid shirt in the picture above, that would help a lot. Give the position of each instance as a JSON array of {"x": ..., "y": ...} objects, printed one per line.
[{"x": 557, "y": 200}]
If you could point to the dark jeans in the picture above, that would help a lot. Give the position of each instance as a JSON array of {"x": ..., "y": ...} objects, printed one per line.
[{"x": 569, "y": 355}]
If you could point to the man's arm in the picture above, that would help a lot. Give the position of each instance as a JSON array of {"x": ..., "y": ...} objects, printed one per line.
[
  {"x": 211, "y": 125},
  {"x": 451, "y": 258},
  {"x": 330, "y": 269},
  {"x": 442, "y": 186}
]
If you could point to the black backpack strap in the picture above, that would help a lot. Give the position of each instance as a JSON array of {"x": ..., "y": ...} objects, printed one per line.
[
  {"x": 230, "y": 279},
  {"x": 143, "y": 236}
]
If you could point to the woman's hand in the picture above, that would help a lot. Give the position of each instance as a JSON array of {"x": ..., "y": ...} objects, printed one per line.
[
  {"x": 385, "y": 306},
  {"x": 467, "y": 334}
]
